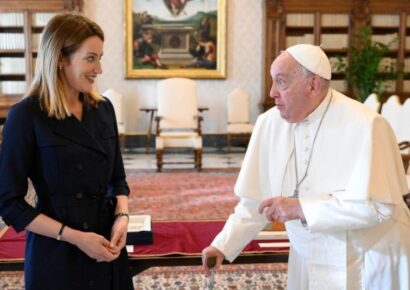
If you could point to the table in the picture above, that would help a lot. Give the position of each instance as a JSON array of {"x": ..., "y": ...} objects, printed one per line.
[
  {"x": 151, "y": 111},
  {"x": 175, "y": 244}
]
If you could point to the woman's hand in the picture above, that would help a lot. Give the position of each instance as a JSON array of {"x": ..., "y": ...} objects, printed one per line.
[
  {"x": 93, "y": 245},
  {"x": 119, "y": 234},
  {"x": 119, "y": 228},
  {"x": 96, "y": 247}
]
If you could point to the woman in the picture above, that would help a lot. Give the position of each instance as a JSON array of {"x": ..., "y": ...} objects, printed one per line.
[{"x": 63, "y": 136}]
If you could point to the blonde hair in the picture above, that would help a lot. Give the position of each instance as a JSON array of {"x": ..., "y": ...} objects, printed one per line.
[{"x": 62, "y": 36}]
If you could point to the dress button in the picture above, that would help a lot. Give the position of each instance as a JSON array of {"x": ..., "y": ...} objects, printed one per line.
[
  {"x": 79, "y": 166},
  {"x": 79, "y": 195},
  {"x": 85, "y": 225}
]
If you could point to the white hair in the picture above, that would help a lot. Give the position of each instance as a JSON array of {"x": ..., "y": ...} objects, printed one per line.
[{"x": 325, "y": 84}]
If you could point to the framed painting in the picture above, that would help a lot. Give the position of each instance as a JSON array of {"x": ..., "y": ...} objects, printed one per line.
[{"x": 175, "y": 38}]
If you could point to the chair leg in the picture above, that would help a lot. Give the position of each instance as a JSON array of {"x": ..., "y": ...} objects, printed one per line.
[
  {"x": 198, "y": 159},
  {"x": 248, "y": 139},
  {"x": 159, "y": 159},
  {"x": 228, "y": 142},
  {"x": 195, "y": 159},
  {"x": 406, "y": 161}
]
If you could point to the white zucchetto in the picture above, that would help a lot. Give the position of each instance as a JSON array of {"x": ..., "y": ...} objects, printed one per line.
[{"x": 313, "y": 58}]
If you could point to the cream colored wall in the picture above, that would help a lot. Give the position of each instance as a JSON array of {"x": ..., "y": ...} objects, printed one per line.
[{"x": 244, "y": 64}]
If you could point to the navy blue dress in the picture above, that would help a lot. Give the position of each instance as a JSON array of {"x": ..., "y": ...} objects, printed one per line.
[{"x": 76, "y": 169}]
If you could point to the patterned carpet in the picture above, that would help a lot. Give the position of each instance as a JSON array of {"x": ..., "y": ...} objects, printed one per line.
[
  {"x": 183, "y": 195},
  {"x": 186, "y": 195},
  {"x": 228, "y": 277}
]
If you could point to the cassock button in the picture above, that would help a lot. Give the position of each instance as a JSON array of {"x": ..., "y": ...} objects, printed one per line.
[
  {"x": 90, "y": 283},
  {"x": 85, "y": 225},
  {"x": 79, "y": 195},
  {"x": 79, "y": 166},
  {"x": 103, "y": 162}
]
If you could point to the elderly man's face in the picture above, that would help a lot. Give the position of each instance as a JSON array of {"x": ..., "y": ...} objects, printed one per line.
[{"x": 290, "y": 88}]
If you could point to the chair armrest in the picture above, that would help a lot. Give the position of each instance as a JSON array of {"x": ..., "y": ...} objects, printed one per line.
[
  {"x": 229, "y": 123},
  {"x": 404, "y": 145}
]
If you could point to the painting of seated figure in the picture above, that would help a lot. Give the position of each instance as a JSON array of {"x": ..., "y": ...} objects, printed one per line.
[{"x": 176, "y": 38}]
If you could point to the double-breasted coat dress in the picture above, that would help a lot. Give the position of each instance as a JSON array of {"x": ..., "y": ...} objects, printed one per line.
[{"x": 76, "y": 169}]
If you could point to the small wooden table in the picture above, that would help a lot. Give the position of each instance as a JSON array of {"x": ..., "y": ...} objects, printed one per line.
[{"x": 151, "y": 111}]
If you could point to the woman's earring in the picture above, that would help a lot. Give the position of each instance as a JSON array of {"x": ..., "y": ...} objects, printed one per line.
[{"x": 60, "y": 67}]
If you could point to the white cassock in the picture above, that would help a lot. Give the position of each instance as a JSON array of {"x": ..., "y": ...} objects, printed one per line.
[{"x": 357, "y": 231}]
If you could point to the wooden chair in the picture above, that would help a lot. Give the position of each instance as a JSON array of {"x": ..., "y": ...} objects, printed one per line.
[
  {"x": 399, "y": 118},
  {"x": 238, "y": 117},
  {"x": 178, "y": 120},
  {"x": 373, "y": 102},
  {"x": 405, "y": 154},
  {"x": 117, "y": 101}
]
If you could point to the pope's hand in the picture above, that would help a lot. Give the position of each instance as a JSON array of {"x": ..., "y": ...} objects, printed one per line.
[
  {"x": 282, "y": 209},
  {"x": 211, "y": 252}
]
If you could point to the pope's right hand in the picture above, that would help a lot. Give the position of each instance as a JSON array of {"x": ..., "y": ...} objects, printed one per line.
[{"x": 209, "y": 252}]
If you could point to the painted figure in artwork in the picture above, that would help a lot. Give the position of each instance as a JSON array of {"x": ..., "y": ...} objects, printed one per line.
[{"x": 176, "y": 7}]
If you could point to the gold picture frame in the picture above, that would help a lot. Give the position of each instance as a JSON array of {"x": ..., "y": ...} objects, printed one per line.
[{"x": 175, "y": 38}]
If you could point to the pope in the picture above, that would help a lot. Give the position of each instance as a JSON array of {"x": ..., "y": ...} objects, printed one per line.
[{"x": 330, "y": 169}]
